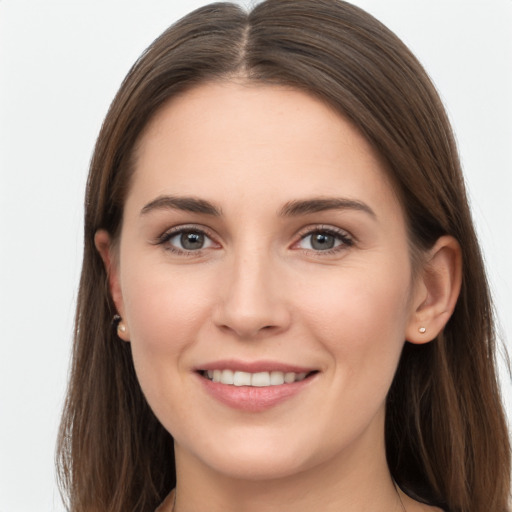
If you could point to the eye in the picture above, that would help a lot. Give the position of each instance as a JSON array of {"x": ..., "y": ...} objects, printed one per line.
[
  {"x": 322, "y": 240},
  {"x": 186, "y": 240}
]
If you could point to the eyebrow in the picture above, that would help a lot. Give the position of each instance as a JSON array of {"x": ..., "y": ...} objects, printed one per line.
[
  {"x": 314, "y": 205},
  {"x": 185, "y": 203},
  {"x": 290, "y": 209}
]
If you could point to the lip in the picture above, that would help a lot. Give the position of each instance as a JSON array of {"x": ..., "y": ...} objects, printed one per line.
[{"x": 249, "y": 398}]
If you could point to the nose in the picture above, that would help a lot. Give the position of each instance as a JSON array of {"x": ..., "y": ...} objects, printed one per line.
[{"x": 252, "y": 299}]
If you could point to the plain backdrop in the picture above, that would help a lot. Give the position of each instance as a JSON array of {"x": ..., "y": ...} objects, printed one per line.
[{"x": 61, "y": 63}]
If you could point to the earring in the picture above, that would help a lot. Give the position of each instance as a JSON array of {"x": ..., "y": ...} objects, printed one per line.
[
  {"x": 117, "y": 321},
  {"x": 422, "y": 330}
]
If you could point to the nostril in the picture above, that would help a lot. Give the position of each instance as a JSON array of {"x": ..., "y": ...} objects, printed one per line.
[{"x": 248, "y": 330}]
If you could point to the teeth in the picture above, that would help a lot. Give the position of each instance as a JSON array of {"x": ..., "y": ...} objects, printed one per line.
[
  {"x": 259, "y": 379},
  {"x": 276, "y": 378},
  {"x": 289, "y": 377},
  {"x": 227, "y": 377},
  {"x": 241, "y": 378}
]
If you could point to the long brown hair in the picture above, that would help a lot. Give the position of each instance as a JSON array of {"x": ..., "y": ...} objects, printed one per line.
[{"x": 446, "y": 436}]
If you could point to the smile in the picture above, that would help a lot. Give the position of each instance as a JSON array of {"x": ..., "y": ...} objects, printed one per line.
[
  {"x": 254, "y": 387},
  {"x": 258, "y": 379}
]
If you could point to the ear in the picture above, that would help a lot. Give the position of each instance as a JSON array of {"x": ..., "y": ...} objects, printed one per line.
[
  {"x": 437, "y": 291},
  {"x": 105, "y": 247}
]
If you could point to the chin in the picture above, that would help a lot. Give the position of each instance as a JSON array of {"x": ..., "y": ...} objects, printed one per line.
[
  {"x": 256, "y": 455},
  {"x": 259, "y": 466}
]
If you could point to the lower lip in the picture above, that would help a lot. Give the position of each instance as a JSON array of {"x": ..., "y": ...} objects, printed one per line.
[{"x": 252, "y": 398}]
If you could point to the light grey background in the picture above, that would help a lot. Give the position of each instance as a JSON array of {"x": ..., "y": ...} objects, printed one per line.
[{"x": 61, "y": 63}]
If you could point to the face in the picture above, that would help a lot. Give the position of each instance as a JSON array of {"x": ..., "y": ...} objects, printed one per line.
[{"x": 264, "y": 277}]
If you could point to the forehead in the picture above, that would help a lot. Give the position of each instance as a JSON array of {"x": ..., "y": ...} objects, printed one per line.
[
  {"x": 213, "y": 110},
  {"x": 231, "y": 140}
]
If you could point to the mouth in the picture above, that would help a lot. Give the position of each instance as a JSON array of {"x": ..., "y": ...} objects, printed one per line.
[
  {"x": 254, "y": 386},
  {"x": 256, "y": 379}
]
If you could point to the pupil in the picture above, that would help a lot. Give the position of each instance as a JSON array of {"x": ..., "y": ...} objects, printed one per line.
[
  {"x": 192, "y": 241},
  {"x": 322, "y": 241}
]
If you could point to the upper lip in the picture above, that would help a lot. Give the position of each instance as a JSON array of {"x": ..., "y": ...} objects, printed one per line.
[{"x": 254, "y": 366}]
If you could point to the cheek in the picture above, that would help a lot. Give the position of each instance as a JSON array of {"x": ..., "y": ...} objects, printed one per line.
[
  {"x": 162, "y": 304},
  {"x": 360, "y": 324},
  {"x": 360, "y": 319},
  {"x": 164, "y": 310}
]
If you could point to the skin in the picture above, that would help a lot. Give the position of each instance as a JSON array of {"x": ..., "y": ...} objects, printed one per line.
[{"x": 259, "y": 290}]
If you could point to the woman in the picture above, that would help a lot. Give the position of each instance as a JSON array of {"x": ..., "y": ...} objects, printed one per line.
[{"x": 283, "y": 303}]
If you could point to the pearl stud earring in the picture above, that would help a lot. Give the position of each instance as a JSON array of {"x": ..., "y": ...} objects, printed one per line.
[
  {"x": 422, "y": 330},
  {"x": 118, "y": 322}
]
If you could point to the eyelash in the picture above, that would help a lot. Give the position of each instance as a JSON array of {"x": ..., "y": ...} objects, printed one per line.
[
  {"x": 171, "y": 233},
  {"x": 339, "y": 234}
]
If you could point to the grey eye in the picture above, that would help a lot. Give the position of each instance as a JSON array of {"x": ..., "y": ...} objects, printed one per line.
[
  {"x": 323, "y": 241},
  {"x": 192, "y": 241},
  {"x": 189, "y": 240}
]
